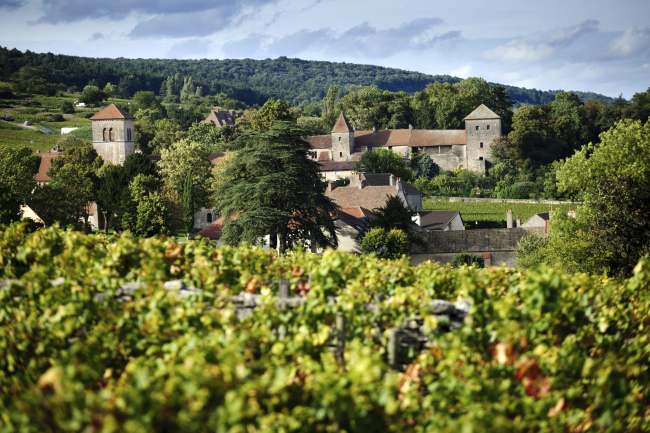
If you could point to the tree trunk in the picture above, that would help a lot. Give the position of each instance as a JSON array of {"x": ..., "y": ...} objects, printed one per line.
[
  {"x": 273, "y": 240},
  {"x": 107, "y": 220},
  {"x": 283, "y": 239}
]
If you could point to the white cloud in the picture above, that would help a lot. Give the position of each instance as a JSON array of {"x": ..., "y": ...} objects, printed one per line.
[
  {"x": 191, "y": 48},
  {"x": 539, "y": 46},
  {"x": 632, "y": 42}
]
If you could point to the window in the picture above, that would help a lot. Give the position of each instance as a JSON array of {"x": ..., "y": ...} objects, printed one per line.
[
  {"x": 209, "y": 217},
  {"x": 128, "y": 134},
  {"x": 337, "y": 172},
  {"x": 390, "y": 147},
  {"x": 480, "y": 158},
  {"x": 105, "y": 135},
  {"x": 488, "y": 127},
  {"x": 477, "y": 127},
  {"x": 481, "y": 145},
  {"x": 339, "y": 138},
  {"x": 111, "y": 135},
  {"x": 341, "y": 154}
]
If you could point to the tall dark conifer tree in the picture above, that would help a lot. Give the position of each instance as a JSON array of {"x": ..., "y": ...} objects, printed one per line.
[{"x": 275, "y": 188}]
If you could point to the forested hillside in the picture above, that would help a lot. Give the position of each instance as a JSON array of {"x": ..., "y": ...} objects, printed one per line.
[{"x": 297, "y": 81}]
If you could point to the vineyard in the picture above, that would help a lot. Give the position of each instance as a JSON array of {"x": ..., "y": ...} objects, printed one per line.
[
  {"x": 542, "y": 351},
  {"x": 492, "y": 215},
  {"x": 30, "y": 138}
]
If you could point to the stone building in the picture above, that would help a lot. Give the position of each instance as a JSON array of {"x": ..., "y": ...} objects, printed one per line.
[
  {"x": 113, "y": 134},
  {"x": 469, "y": 148},
  {"x": 222, "y": 118}
]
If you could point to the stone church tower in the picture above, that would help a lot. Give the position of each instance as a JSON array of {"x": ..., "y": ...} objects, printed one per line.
[
  {"x": 481, "y": 127},
  {"x": 342, "y": 139},
  {"x": 113, "y": 134}
]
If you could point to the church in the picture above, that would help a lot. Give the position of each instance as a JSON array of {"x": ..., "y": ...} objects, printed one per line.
[{"x": 467, "y": 148}]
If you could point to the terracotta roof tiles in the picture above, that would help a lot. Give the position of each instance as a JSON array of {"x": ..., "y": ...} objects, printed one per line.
[
  {"x": 46, "y": 163},
  {"x": 370, "y": 197},
  {"x": 112, "y": 112},
  {"x": 320, "y": 141},
  {"x": 383, "y": 179},
  {"x": 213, "y": 231},
  {"x": 337, "y": 165},
  {"x": 342, "y": 124}
]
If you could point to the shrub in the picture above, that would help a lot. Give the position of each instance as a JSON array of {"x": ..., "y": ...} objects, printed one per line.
[
  {"x": 385, "y": 245},
  {"x": 467, "y": 259},
  {"x": 68, "y": 141},
  {"x": 66, "y": 107},
  {"x": 531, "y": 251}
]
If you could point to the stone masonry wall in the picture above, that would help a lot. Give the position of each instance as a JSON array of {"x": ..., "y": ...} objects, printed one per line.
[
  {"x": 449, "y": 159},
  {"x": 477, "y": 136},
  {"x": 488, "y": 240},
  {"x": 342, "y": 145}
]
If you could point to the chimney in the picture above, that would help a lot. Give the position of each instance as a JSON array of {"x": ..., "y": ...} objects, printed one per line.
[
  {"x": 399, "y": 184},
  {"x": 509, "y": 219},
  {"x": 329, "y": 186},
  {"x": 571, "y": 213},
  {"x": 518, "y": 221},
  {"x": 416, "y": 219},
  {"x": 392, "y": 180},
  {"x": 354, "y": 180},
  {"x": 374, "y": 130},
  {"x": 551, "y": 212},
  {"x": 410, "y": 127}
]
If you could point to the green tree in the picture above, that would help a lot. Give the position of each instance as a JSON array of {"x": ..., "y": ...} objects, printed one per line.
[
  {"x": 68, "y": 141},
  {"x": 613, "y": 179},
  {"x": 391, "y": 244},
  {"x": 18, "y": 166},
  {"x": 426, "y": 167},
  {"x": 273, "y": 111},
  {"x": 110, "y": 191},
  {"x": 188, "y": 203},
  {"x": 276, "y": 189},
  {"x": 56, "y": 203},
  {"x": 181, "y": 158},
  {"x": 93, "y": 96},
  {"x": 383, "y": 161},
  {"x": 312, "y": 110},
  {"x": 77, "y": 170},
  {"x": 152, "y": 214},
  {"x": 531, "y": 251},
  {"x": 66, "y": 107},
  {"x": 395, "y": 214}
]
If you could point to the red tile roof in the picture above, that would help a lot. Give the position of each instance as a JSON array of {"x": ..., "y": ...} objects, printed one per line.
[
  {"x": 221, "y": 118},
  {"x": 370, "y": 197},
  {"x": 324, "y": 156},
  {"x": 435, "y": 137},
  {"x": 46, "y": 163},
  {"x": 406, "y": 137},
  {"x": 213, "y": 231},
  {"x": 112, "y": 112},
  {"x": 215, "y": 157},
  {"x": 337, "y": 165},
  {"x": 320, "y": 141},
  {"x": 355, "y": 217},
  {"x": 342, "y": 124},
  {"x": 383, "y": 179}
]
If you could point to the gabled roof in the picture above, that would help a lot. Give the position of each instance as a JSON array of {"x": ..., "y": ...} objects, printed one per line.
[
  {"x": 112, "y": 112},
  {"x": 46, "y": 163},
  {"x": 355, "y": 217},
  {"x": 324, "y": 156},
  {"x": 342, "y": 124},
  {"x": 213, "y": 231},
  {"x": 320, "y": 141},
  {"x": 383, "y": 179},
  {"x": 482, "y": 112},
  {"x": 370, "y": 197},
  {"x": 221, "y": 118},
  {"x": 336, "y": 165},
  {"x": 437, "y": 220}
]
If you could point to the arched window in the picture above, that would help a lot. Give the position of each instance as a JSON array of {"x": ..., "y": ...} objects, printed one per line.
[
  {"x": 111, "y": 134},
  {"x": 105, "y": 135},
  {"x": 209, "y": 217}
]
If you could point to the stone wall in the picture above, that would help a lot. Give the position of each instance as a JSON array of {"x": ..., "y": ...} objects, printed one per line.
[
  {"x": 502, "y": 200},
  {"x": 447, "y": 157},
  {"x": 507, "y": 258},
  {"x": 342, "y": 145},
  {"x": 117, "y": 150},
  {"x": 467, "y": 241}
]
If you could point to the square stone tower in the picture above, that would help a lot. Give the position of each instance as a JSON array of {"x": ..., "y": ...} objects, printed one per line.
[
  {"x": 481, "y": 126},
  {"x": 113, "y": 134},
  {"x": 342, "y": 139}
]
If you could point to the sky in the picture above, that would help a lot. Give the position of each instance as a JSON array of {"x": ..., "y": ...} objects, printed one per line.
[{"x": 587, "y": 45}]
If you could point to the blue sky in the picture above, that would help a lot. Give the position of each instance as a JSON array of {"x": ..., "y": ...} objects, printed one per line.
[{"x": 594, "y": 45}]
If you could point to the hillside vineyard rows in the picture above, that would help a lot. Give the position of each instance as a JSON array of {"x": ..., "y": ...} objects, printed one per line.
[{"x": 542, "y": 351}]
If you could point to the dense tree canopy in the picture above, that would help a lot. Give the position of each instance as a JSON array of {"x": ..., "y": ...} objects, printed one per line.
[{"x": 17, "y": 169}]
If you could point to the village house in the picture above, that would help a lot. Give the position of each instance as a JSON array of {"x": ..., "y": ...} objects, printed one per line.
[{"x": 221, "y": 118}]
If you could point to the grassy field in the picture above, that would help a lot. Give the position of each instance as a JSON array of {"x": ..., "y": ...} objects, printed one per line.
[
  {"x": 69, "y": 123},
  {"x": 492, "y": 215},
  {"x": 30, "y": 138}
]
